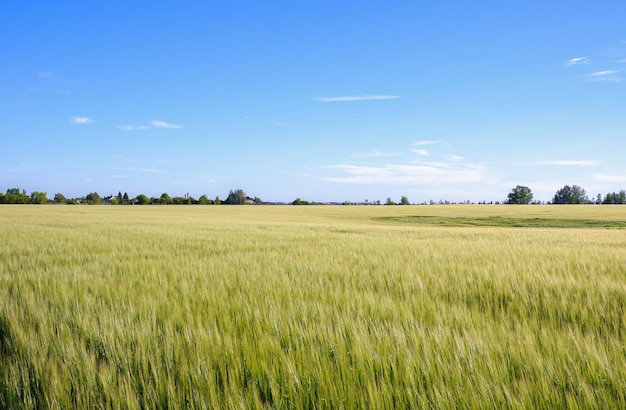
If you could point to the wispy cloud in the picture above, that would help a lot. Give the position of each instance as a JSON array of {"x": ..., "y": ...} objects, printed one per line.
[
  {"x": 358, "y": 98},
  {"x": 81, "y": 120},
  {"x": 610, "y": 178},
  {"x": 376, "y": 154},
  {"x": 577, "y": 61},
  {"x": 578, "y": 163},
  {"x": 448, "y": 169},
  {"x": 155, "y": 124},
  {"x": 171, "y": 161},
  {"x": 611, "y": 76},
  {"x": 603, "y": 73},
  {"x": 420, "y": 143},
  {"x": 163, "y": 124},
  {"x": 132, "y": 127},
  {"x": 407, "y": 174},
  {"x": 150, "y": 170}
]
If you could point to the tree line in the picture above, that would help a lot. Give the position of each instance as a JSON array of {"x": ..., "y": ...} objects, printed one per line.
[
  {"x": 18, "y": 196},
  {"x": 567, "y": 195},
  {"x": 519, "y": 195}
]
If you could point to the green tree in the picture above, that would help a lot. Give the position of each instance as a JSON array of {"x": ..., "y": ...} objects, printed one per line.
[
  {"x": 404, "y": 201},
  {"x": 38, "y": 198},
  {"x": 165, "y": 199},
  {"x": 570, "y": 195},
  {"x": 93, "y": 198},
  {"x": 204, "y": 200},
  {"x": 15, "y": 196},
  {"x": 520, "y": 195},
  {"x": 389, "y": 201},
  {"x": 615, "y": 198},
  {"x": 236, "y": 197},
  {"x": 59, "y": 198},
  {"x": 217, "y": 201},
  {"x": 142, "y": 199}
]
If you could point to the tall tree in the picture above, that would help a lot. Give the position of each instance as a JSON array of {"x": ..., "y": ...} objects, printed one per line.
[
  {"x": 236, "y": 197},
  {"x": 15, "y": 196},
  {"x": 93, "y": 198},
  {"x": 38, "y": 197},
  {"x": 165, "y": 199},
  {"x": 520, "y": 195},
  {"x": 570, "y": 195},
  {"x": 59, "y": 198}
]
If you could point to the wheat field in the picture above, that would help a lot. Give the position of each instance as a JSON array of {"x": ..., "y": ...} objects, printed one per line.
[{"x": 299, "y": 307}]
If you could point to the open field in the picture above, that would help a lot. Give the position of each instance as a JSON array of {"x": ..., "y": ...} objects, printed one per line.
[{"x": 313, "y": 307}]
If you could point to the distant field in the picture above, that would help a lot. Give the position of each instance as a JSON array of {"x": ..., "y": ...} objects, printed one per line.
[{"x": 313, "y": 307}]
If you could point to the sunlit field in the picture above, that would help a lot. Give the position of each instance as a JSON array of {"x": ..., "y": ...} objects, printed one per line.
[{"x": 313, "y": 307}]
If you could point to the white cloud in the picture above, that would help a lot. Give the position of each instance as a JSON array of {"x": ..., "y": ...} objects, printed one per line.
[
  {"x": 408, "y": 174},
  {"x": 359, "y": 98},
  {"x": 452, "y": 169},
  {"x": 621, "y": 61},
  {"x": 155, "y": 123},
  {"x": 577, "y": 61},
  {"x": 170, "y": 161},
  {"x": 603, "y": 73},
  {"x": 150, "y": 170},
  {"x": 611, "y": 76},
  {"x": 420, "y": 143},
  {"x": 610, "y": 178},
  {"x": 81, "y": 120},
  {"x": 579, "y": 163},
  {"x": 163, "y": 124},
  {"x": 374, "y": 153},
  {"x": 132, "y": 127}
]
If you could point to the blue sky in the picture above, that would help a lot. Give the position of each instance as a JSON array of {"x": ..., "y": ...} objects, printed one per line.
[{"x": 326, "y": 100}]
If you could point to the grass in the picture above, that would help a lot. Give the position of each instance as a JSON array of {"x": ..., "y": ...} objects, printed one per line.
[
  {"x": 312, "y": 307},
  {"x": 499, "y": 221}
]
